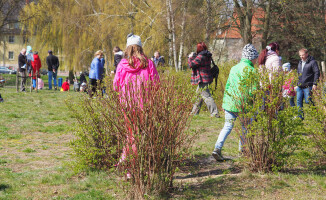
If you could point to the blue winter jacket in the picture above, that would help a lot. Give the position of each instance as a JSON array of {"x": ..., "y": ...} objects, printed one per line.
[{"x": 97, "y": 68}]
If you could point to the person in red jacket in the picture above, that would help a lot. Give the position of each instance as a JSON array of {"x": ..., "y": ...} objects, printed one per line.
[
  {"x": 36, "y": 65},
  {"x": 66, "y": 85}
]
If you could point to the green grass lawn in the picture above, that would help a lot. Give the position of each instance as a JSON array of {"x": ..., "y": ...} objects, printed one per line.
[{"x": 36, "y": 159}]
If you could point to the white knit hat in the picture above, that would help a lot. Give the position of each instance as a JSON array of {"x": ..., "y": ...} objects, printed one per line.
[
  {"x": 133, "y": 39},
  {"x": 249, "y": 52},
  {"x": 286, "y": 67}
]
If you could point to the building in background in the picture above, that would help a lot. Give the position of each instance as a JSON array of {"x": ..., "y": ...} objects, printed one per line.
[
  {"x": 229, "y": 43},
  {"x": 12, "y": 40}
]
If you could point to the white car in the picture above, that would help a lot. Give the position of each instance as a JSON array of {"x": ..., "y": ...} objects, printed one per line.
[{"x": 6, "y": 70}]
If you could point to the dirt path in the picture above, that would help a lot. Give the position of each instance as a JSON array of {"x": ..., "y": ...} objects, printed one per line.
[{"x": 206, "y": 167}]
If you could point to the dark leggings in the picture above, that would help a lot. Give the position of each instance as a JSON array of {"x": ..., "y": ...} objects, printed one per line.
[{"x": 93, "y": 83}]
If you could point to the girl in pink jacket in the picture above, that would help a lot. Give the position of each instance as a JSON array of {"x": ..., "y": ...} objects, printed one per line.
[{"x": 133, "y": 71}]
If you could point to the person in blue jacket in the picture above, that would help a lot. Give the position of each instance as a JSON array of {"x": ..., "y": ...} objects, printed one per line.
[{"x": 96, "y": 72}]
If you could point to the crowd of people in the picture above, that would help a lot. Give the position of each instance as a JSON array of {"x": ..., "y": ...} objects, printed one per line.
[{"x": 134, "y": 64}]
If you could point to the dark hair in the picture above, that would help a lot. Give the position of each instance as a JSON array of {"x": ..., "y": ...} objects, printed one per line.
[
  {"x": 67, "y": 79},
  {"x": 116, "y": 49},
  {"x": 35, "y": 52},
  {"x": 201, "y": 47},
  {"x": 262, "y": 56}
]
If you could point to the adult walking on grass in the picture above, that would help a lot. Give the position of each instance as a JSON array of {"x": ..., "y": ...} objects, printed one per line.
[
  {"x": 96, "y": 72},
  {"x": 22, "y": 66},
  {"x": 133, "y": 72},
  {"x": 233, "y": 97},
  {"x": 53, "y": 64},
  {"x": 308, "y": 71},
  {"x": 200, "y": 63}
]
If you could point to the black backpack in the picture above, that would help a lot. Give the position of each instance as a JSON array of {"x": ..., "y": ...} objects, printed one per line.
[{"x": 215, "y": 72}]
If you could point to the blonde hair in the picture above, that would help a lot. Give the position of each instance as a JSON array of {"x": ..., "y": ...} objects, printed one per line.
[
  {"x": 135, "y": 51},
  {"x": 303, "y": 50},
  {"x": 99, "y": 52}
]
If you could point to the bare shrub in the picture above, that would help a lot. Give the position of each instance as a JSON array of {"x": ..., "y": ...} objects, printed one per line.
[
  {"x": 150, "y": 129},
  {"x": 273, "y": 133}
]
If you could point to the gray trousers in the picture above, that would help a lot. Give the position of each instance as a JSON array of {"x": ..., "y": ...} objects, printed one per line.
[
  {"x": 205, "y": 96},
  {"x": 23, "y": 80}
]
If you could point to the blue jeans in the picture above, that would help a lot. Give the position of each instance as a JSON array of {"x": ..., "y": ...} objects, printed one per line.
[
  {"x": 230, "y": 118},
  {"x": 34, "y": 83},
  {"x": 54, "y": 77},
  {"x": 303, "y": 93},
  {"x": 292, "y": 104}
]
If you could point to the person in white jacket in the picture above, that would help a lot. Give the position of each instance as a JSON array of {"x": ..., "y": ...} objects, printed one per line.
[{"x": 270, "y": 60}]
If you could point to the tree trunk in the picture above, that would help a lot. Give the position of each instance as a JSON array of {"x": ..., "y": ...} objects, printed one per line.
[
  {"x": 266, "y": 24},
  {"x": 168, "y": 18},
  {"x": 248, "y": 18},
  {"x": 183, "y": 26},
  {"x": 208, "y": 20},
  {"x": 244, "y": 14},
  {"x": 174, "y": 49}
]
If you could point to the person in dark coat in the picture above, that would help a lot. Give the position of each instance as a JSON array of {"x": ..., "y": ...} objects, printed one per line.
[
  {"x": 118, "y": 54},
  {"x": 82, "y": 78},
  {"x": 22, "y": 65},
  {"x": 308, "y": 71},
  {"x": 53, "y": 64},
  {"x": 158, "y": 59}
]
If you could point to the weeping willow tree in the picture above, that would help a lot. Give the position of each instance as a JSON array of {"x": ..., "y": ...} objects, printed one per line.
[{"x": 75, "y": 29}]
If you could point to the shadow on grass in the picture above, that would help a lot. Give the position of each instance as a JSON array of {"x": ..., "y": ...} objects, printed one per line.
[
  {"x": 205, "y": 166},
  {"x": 4, "y": 186},
  {"x": 212, "y": 188}
]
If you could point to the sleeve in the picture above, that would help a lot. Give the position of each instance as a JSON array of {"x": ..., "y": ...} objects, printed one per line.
[
  {"x": 277, "y": 65},
  {"x": 154, "y": 74},
  {"x": 315, "y": 69},
  {"x": 48, "y": 62},
  {"x": 40, "y": 65},
  {"x": 195, "y": 61},
  {"x": 20, "y": 61},
  {"x": 116, "y": 80},
  {"x": 58, "y": 63},
  {"x": 162, "y": 60},
  {"x": 98, "y": 65},
  {"x": 115, "y": 60}
]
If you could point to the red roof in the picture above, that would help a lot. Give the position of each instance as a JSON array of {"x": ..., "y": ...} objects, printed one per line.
[{"x": 233, "y": 31}]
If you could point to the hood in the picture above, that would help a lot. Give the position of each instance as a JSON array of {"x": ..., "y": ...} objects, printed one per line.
[
  {"x": 205, "y": 53},
  {"x": 310, "y": 58},
  {"x": 271, "y": 53},
  {"x": 36, "y": 57},
  {"x": 29, "y": 49},
  {"x": 119, "y": 53},
  {"x": 125, "y": 64}
]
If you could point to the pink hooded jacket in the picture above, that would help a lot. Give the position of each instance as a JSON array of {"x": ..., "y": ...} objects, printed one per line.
[
  {"x": 273, "y": 64},
  {"x": 137, "y": 76}
]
